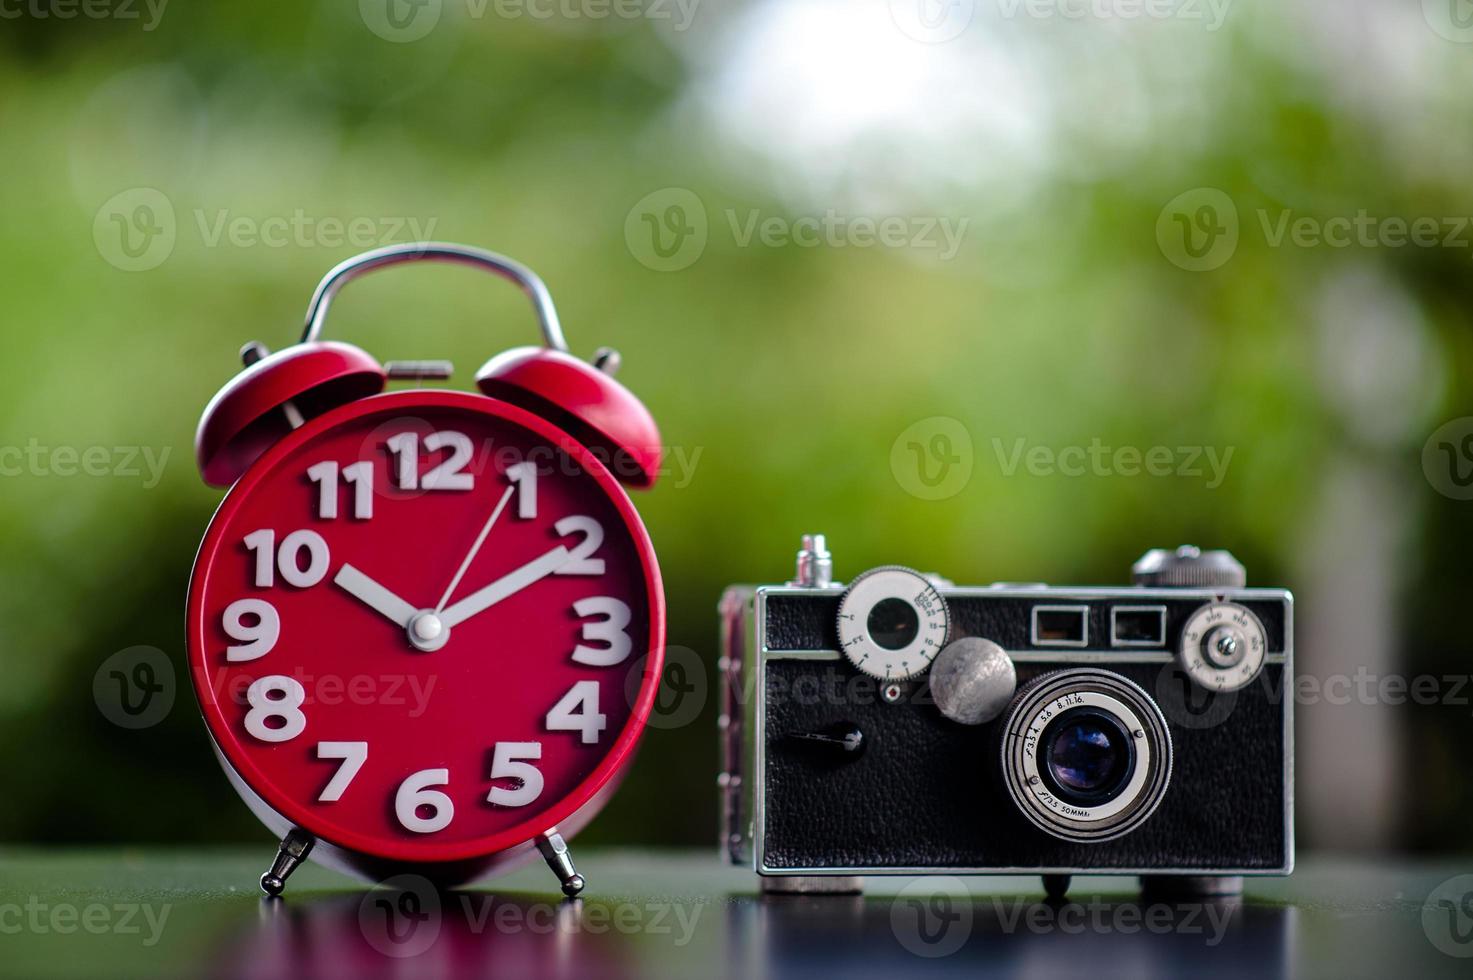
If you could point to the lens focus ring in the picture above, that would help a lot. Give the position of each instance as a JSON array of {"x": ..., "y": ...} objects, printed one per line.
[{"x": 1086, "y": 754}]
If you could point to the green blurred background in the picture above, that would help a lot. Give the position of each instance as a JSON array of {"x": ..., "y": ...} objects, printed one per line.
[{"x": 1115, "y": 186}]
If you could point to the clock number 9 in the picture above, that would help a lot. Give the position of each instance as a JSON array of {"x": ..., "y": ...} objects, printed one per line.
[{"x": 259, "y": 637}]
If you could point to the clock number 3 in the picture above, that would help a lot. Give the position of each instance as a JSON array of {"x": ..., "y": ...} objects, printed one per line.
[{"x": 612, "y": 632}]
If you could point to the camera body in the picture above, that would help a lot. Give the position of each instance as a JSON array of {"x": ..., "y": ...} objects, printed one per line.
[{"x": 905, "y": 725}]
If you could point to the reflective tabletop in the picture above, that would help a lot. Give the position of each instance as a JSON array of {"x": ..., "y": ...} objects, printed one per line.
[{"x": 680, "y": 914}]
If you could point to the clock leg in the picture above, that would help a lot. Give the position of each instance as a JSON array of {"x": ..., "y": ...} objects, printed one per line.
[
  {"x": 555, "y": 850},
  {"x": 295, "y": 847}
]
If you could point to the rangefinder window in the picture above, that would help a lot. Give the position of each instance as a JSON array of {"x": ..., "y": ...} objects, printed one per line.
[
  {"x": 1060, "y": 626},
  {"x": 1138, "y": 626}
]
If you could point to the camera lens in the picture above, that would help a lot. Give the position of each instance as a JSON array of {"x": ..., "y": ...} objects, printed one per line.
[
  {"x": 893, "y": 623},
  {"x": 1086, "y": 754}
]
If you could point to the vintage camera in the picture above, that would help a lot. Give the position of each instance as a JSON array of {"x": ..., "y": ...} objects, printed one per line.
[{"x": 904, "y": 725}]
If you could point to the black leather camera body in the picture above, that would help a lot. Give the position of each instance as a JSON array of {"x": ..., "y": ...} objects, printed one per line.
[{"x": 905, "y": 725}]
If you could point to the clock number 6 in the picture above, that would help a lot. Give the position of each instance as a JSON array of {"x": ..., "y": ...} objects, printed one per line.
[
  {"x": 289, "y": 559},
  {"x": 415, "y": 794}
]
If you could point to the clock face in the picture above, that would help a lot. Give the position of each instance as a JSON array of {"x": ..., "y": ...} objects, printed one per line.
[{"x": 413, "y": 626}]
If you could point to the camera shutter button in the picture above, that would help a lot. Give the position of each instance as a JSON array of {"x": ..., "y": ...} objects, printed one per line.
[{"x": 973, "y": 680}]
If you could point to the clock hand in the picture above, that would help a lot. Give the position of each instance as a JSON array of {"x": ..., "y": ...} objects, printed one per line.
[
  {"x": 378, "y": 598},
  {"x": 508, "y": 585},
  {"x": 475, "y": 549}
]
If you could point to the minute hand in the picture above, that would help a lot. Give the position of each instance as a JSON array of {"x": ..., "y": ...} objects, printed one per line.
[{"x": 509, "y": 584}]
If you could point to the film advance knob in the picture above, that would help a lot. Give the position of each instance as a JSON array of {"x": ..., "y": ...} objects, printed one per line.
[{"x": 973, "y": 680}]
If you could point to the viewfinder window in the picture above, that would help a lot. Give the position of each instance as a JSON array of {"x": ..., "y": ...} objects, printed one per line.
[
  {"x": 1061, "y": 626},
  {"x": 1138, "y": 626}
]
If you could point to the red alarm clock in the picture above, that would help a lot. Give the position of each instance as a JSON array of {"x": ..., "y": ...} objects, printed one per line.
[{"x": 414, "y": 618}]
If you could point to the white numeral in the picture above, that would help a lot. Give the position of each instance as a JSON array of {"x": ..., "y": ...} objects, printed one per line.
[
  {"x": 263, "y": 543},
  {"x": 447, "y": 475},
  {"x": 578, "y": 712},
  {"x": 360, "y": 475},
  {"x": 612, "y": 631},
  {"x": 289, "y": 558},
  {"x": 524, "y": 475},
  {"x": 508, "y": 764},
  {"x": 259, "y": 638},
  {"x": 275, "y": 696},
  {"x": 353, "y": 755},
  {"x": 415, "y": 793},
  {"x": 580, "y": 562},
  {"x": 405, "y": 448}
]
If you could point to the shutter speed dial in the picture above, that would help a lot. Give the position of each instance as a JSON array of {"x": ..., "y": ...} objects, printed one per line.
[
  {"x": 892, "y": 623},
  {"x": 1222, "y": 646}
]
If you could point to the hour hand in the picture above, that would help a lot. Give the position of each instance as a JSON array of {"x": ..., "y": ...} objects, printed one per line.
[
  {"x": 375, "y": 596},
  {"x": 509, "y": 584}
]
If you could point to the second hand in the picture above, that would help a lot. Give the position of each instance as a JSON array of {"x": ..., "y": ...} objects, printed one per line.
[{"x": 475, "y": 549}]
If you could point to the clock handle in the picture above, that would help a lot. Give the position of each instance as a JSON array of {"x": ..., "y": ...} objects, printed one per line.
[
  {"x": 509, "y": 269},
  {"x": 278, "y": 392}
]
